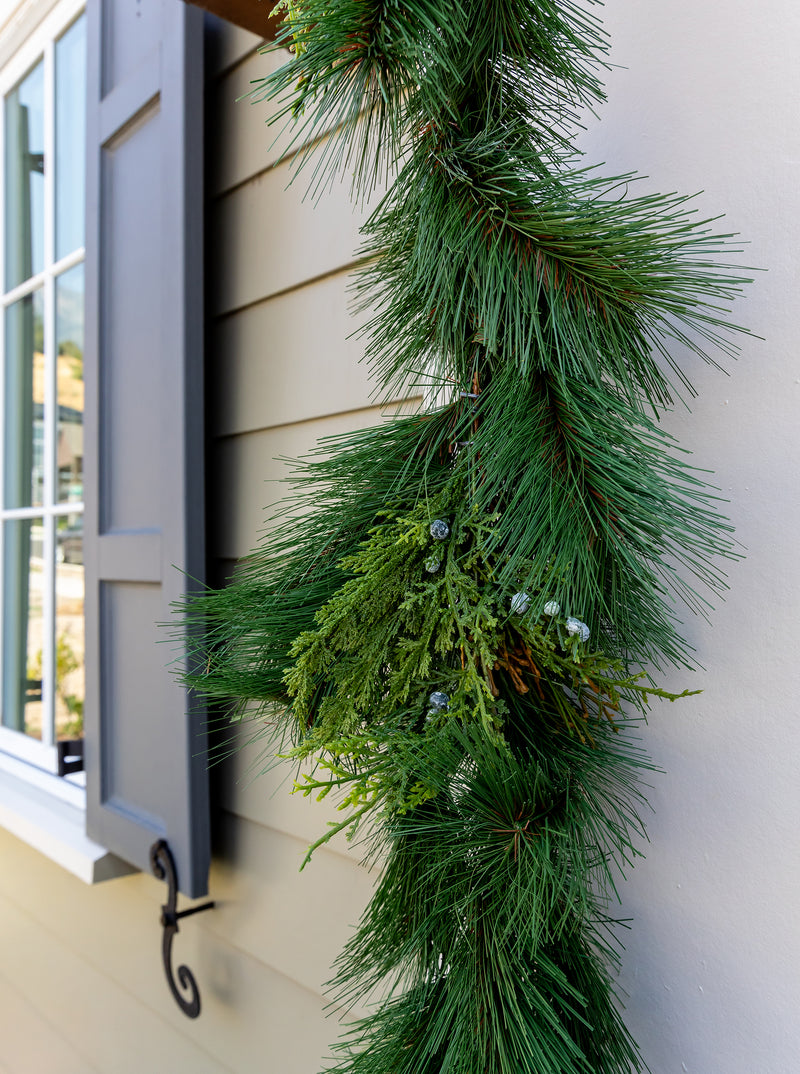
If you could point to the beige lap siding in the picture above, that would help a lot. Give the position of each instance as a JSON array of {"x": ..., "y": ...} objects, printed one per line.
[
  {"x": 289, "y": 359},
  {"x": 82, "y": 987},
  {"x": 284, "y": 373},
  {"x": 83, "y": 965}
]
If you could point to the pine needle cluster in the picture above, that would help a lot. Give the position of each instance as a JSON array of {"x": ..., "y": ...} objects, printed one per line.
[{"x": 452, "y": 614}]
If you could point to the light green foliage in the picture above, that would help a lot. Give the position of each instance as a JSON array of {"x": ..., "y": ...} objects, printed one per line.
[
  {"x": 361, "y": 680},
  {"x": 66, "y": 662},
  {"x": 395, "y": 624},
  {"x": 294, "y": 19}
]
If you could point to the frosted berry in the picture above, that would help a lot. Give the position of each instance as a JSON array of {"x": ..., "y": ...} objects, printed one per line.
[{"x": 575, "y": 626}]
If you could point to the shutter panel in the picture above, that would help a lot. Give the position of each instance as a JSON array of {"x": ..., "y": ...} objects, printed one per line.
[{"x": 145, "y": 520}]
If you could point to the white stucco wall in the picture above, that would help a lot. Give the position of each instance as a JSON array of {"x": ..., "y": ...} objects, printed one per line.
[{"x": 710, "y": 100}]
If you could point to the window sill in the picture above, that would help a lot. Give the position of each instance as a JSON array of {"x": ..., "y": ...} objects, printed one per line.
[{"x": 48, "y": 814}]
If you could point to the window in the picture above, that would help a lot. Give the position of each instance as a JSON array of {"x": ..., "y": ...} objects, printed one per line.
[
  {"x": 101, "y": 429},
  {"x": 41, "y": 383}
]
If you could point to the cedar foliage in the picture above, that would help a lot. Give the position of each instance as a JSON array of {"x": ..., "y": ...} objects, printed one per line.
[{"x": 477, "y": 695}]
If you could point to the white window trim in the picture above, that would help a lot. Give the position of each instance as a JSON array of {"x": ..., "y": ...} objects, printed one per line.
[
  {"x": 48, "y": 813},
  {"x": 49, "y": 28}
]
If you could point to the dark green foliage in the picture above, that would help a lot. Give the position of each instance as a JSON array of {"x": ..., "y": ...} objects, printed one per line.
[
  {"x": 535, "y": 305},
  {"x": 503, "y": 261},
  {"x": 377, "y": 72},
  {"x": 596, "y": 496},
  {"x": 356, "y": 76},
  {"x": 490, "y": 911}
]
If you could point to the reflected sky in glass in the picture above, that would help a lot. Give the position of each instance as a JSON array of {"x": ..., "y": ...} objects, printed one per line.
[
  {"x": 24, "y": 176},
  {"x": 70, "y": 138}
]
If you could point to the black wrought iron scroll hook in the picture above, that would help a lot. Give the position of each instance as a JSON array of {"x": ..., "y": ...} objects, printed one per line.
[{"x": 163, "y": 866}]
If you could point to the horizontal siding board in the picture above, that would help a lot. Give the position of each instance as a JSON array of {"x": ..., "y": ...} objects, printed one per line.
[
  {"x": 29, "y": 1042},
  {"x": 248, "y": 142},
  {"x": 92, "y": 958},
  {"x": 295, "y": 923},
  {"x": 290, "y": 359},
  {"x": 268, "y": 237},
  {"x": 256, "y": 1018},
  {"x": 118, "y": 1033},
  {"x": 250, "y": 476},
  {"x": 244, "y": 142},
  {"x": 256, "y": 789}
]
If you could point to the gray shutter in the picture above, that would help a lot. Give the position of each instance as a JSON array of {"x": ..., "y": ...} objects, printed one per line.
[{"x": 145, "y": 738}]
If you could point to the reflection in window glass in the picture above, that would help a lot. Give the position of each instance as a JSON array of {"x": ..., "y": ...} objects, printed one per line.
[
  {"x": 69, "y": 627},
  {"x": 42, "y": 393},
  {"x": 23, "y": 428},
  {"x": 70, "y": 138},
  {"x": 23, "y": 631},
  {"x": 69, "y": 347},
  {"x": 24, "y": 176}
]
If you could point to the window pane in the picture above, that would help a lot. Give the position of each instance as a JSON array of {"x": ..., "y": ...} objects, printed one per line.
[
  {"x": 69, "y": 627},
  {"x": 69, "y": 346},
  {"x": 24, "y": 173},
  {"x": 23, "y": 432},
  {"x": 23, "y": 631},
  {"x": 70, "y": 138}
]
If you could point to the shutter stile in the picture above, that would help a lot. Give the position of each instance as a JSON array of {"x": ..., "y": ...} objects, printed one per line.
[{"x": 145, "y": 737}]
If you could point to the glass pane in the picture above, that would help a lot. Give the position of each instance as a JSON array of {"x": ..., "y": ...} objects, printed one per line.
[
  {"x": 23, "y": 433},
  {"x": 69, "y": 627},
  {"x": 23, "y": 629},
  {"x": 24, "y": 173},
  {"x": 70, "y": 138},
  {"x": 69, "y": 347}
]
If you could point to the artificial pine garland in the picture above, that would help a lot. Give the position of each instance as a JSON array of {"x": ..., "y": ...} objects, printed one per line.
[{"x": 454, "y": 627}]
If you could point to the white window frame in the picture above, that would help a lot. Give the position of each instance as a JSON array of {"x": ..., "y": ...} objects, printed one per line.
[{"x": 40, "y": 44}]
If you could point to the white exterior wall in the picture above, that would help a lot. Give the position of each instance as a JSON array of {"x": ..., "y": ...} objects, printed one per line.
[
  {"x": 707, "y": 97},
  {"x": 709, "y": 100}
]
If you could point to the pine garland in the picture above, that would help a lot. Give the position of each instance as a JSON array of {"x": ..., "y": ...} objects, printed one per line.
[{"x": 453, "y": 618}]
